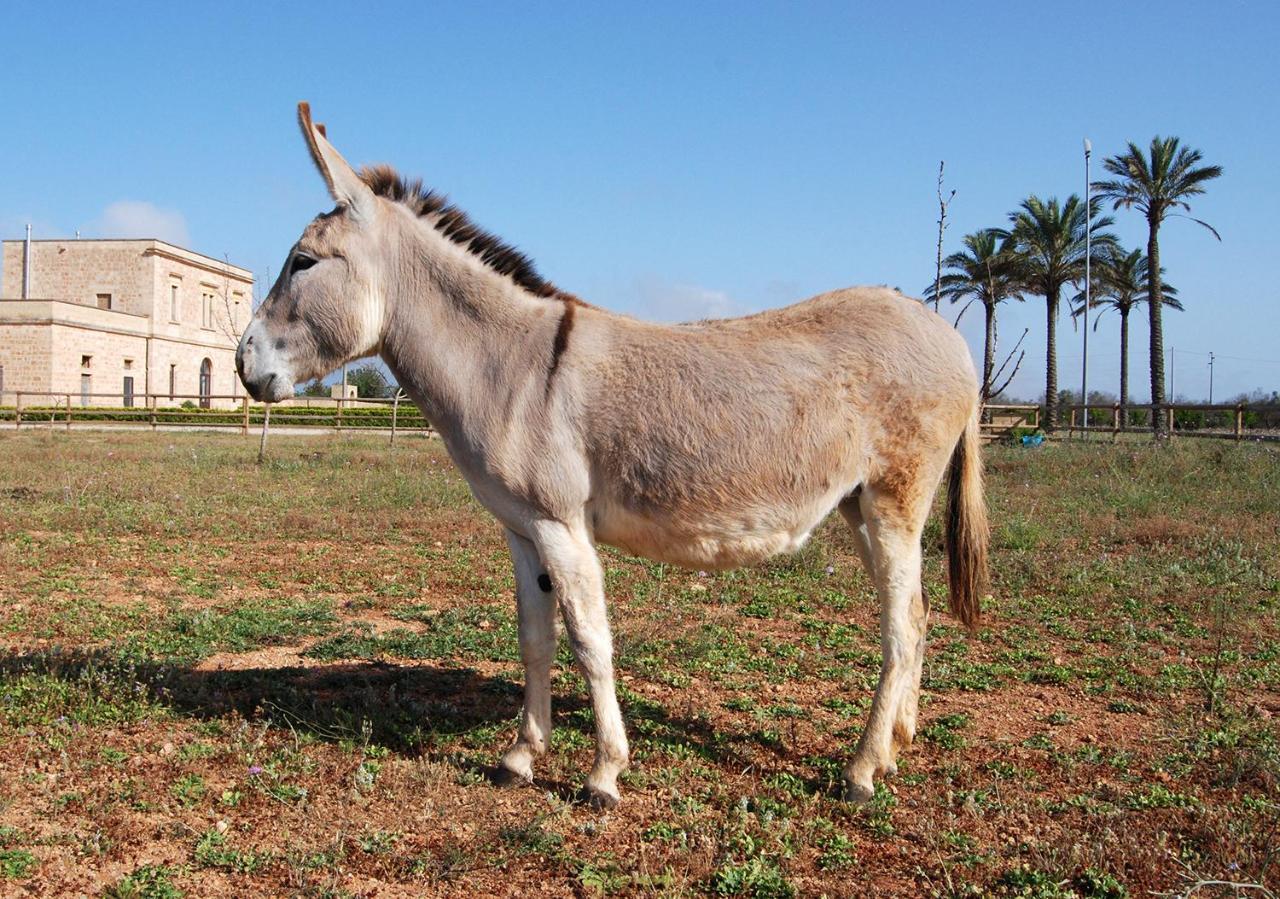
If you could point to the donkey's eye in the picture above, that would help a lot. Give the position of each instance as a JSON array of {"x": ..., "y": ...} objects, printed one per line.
[{"x": 300, "y": 263}]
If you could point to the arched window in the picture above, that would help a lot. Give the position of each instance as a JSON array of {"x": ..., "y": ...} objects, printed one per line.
[{"x": 206, "y": 383}]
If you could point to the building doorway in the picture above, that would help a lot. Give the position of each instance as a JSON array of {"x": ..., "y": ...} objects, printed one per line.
[
  {"x": 206, "y": 383},
  {"x": 128, "y": 391}
]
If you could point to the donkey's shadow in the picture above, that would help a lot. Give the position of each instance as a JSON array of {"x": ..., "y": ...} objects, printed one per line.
[{"x": 418, "y": 710}]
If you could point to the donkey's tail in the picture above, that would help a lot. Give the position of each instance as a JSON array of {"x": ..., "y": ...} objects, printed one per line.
[{"x": 967, "y": 528}]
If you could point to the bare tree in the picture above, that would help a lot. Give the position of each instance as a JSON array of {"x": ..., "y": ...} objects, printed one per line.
[
  {"x": 942, "y": 226},
  {"x": 227, "y": 317}
]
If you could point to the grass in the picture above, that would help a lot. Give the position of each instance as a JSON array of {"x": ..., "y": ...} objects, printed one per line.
[{"x": 293, "y": 680}]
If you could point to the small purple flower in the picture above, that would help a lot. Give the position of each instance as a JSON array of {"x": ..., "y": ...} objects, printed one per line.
[
  {"x": 831, "y": 569},
  {"x": 255, "y": 770}
]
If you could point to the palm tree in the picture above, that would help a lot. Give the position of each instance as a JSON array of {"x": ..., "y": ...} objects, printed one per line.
[
  {"x": 1121, "y": 282},
  {"x": 1157, "y": 185},
  {"x": 1050, "y": 245},
  {"x": 985, "y": 272}
]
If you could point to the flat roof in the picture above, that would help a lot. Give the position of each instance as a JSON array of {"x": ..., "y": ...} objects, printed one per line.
[{"x": 138, "y": 240}]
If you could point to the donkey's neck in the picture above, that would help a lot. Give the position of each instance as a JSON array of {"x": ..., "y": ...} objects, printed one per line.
[{"x": 465, "y": 342}]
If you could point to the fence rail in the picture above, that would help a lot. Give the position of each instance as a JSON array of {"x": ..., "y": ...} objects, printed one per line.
[
  {"x": 1239, "y": 421},
  {"x": 65, "y": 410},
  {"x": 1224, "y": 421}
]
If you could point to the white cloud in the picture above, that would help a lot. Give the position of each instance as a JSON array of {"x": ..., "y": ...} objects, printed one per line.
[
  {"x": 663, "y": 301},
  {"x": 137, "y": 218}
]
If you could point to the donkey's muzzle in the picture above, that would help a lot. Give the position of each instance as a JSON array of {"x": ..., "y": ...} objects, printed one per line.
[{"x": 261, "y": 367}]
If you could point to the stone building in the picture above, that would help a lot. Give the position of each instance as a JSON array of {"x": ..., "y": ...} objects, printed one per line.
[{"x": 111, "y": 322}]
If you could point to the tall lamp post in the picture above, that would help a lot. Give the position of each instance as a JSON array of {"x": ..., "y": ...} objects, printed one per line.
[{"x": 1088, "y": 259}]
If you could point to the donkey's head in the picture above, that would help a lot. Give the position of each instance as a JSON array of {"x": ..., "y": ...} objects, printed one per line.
[{"x": 329, "y": 304}]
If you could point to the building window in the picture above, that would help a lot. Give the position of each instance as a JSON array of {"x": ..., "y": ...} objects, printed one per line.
[
  {"x": 206, "y": 383},
  {"x": 104, "y": 301},
  {"x": 128, "y": 391},
  {"x": 173, "y": 302},
  {"x": 85, "y": 361},
  {"x": 173, "y": 381},
  {"x": 128, "y": 364},
  {"x": 86, "y": 389},
  {"x": 206, "y": 310},
  {"x": 1, "y": 385}
]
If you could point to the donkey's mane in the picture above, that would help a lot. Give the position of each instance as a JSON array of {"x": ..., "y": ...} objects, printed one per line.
[{"x": 456, "y": 225}]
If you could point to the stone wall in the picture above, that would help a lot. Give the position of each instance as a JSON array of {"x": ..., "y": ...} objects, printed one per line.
[
  {"x": 110, "y": 358},
  {"x": 24, "y": 357},
  {"x": 78, "y": 270}
]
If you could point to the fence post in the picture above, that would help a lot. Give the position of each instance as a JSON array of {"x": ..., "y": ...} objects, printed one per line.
[
  {"x": 151, "y": 409},
  {"x": 341, "y": 399},
  {"x": 68, "y": 412},
  {"x": 266, "y": 423},
  {"x": 1169, "y": 412},
  {"x": 395, "y": 409},
  {"x": 1239, "y": 420},
  {"x": 1115, "y": 422},
  {"x": 17, "y": 412},
  {"x": 244, "y": 425}
]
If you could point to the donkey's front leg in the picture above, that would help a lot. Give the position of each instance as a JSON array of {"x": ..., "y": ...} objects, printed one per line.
[
  {"x": 536, "y": 609},
  {"x": 575, "y": 572}
]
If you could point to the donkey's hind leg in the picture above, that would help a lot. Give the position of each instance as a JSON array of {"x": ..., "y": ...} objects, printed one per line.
[
  {"x": 887, "y": 532},
  {"x": 536, "y": 609}
]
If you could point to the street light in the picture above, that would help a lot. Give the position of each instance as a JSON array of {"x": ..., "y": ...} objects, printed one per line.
[{"x": 1088, "y": 259}]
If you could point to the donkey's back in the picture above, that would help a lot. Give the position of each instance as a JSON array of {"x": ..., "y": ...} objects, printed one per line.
[{"x": 718, "y": 443}]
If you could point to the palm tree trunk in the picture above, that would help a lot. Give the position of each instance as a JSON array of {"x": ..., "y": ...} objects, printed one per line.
[
  {"x": 1124, "y": 369},
  {"x": 988, "y": 353},
  {"x": 1155, "y": 303},
  {"x": 1051, "y": 364}
]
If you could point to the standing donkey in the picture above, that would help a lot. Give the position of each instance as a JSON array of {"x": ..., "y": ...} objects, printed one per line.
[{"x": 707, "y": 445}]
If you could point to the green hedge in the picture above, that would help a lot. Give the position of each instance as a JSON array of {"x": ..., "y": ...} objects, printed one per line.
[{"x": 284, "y": 416}]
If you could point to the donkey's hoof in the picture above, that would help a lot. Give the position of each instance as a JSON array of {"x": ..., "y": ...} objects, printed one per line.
[
  {"x": 598, "y": 799},
  {"x": 858, "y": 794},
  {"x": 506, "y": 778}
]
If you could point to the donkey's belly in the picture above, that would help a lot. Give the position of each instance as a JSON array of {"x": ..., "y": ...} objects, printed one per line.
[{"x": 728, "y": 540}]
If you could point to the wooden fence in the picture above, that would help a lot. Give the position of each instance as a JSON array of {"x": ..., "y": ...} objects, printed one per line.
[
  {"x": 219, "y": 411},
  {"x": 1224, "y": 421},
  {"x": 1238, "y": 421}
]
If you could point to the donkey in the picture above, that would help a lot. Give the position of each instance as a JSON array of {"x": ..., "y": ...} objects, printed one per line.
[{"x": 707, "y": 445}]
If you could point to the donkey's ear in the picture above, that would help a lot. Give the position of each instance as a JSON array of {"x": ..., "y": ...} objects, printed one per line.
[{"x": 345, "y": 186}]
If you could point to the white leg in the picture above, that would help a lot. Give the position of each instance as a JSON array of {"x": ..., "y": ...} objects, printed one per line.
[
  {"x": 904, "y": 728},
  {"x": 536, "y": 609},
  {"x": 575, "y": 572},
  {"x": 894, "y": 544}
]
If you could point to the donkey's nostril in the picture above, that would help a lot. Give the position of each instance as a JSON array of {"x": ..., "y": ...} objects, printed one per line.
[
  {"x": 249, "y": 340},
  {"x": 280, "y": 343}
]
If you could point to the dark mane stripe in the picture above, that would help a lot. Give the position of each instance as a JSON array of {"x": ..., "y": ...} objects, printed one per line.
[
  {"x": 561, "y": 342},
  {"x": 454, "y": 224}
]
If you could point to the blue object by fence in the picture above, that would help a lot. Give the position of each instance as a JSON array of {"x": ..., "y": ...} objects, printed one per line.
[{"x": 1032, "y": 439}]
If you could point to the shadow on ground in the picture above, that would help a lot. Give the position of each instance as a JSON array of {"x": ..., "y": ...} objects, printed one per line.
[{"x": 446, "y": 712}]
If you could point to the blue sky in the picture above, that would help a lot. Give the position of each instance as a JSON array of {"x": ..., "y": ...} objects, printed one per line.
[{"x": 672, "y": 160}]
